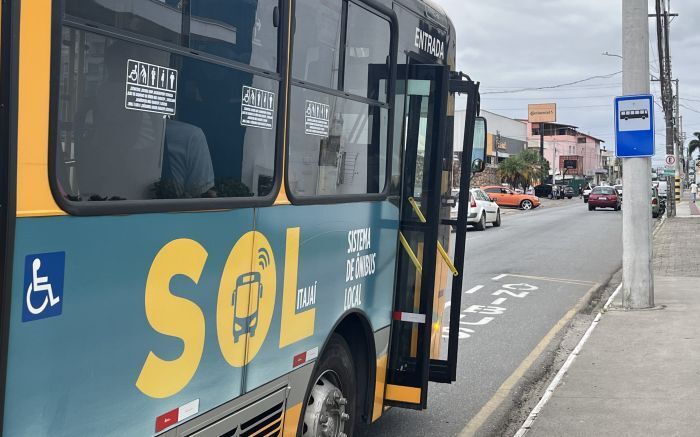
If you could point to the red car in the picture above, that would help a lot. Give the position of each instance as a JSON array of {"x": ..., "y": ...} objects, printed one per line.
[{"x": 604, "y": 197}]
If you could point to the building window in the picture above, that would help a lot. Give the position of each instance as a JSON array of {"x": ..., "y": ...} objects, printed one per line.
[{"x": 582, "y": 140}]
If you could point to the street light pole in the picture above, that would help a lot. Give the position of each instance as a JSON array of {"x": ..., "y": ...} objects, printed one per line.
[{"x": 637, "y": 276}]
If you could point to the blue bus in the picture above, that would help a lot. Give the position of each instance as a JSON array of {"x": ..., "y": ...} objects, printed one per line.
[{"x": 228, "y": 217}]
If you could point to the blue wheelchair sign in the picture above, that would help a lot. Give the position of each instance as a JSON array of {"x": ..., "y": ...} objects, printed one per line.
[
  {"x": 43, "y": 286},
  {"x": 634, "y": 126}
]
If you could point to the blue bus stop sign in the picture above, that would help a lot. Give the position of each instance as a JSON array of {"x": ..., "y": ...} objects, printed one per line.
[{"x": 634, "y": 126}]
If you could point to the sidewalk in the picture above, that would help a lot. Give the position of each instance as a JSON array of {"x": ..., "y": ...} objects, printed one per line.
[
  {"x": 686, "y": 208},
  {"x": 639, "y": 372}
]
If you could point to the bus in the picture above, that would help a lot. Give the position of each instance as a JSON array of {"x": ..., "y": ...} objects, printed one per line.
[
  {"x": 634, "y": 113},
  {"x": 227, "y": 218}
]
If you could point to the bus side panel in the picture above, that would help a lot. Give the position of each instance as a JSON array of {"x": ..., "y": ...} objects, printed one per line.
[
  {"x": 134, "y": 335},
  {"x": 340, "y": 267}
]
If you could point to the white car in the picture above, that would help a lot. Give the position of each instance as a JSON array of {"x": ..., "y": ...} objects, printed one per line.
[{"x": 482, "y": 210}]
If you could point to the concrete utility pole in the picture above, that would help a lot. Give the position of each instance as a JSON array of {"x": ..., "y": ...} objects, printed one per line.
[
  {"x": 664, "y": 46},
  {"x": 677, "y": 137},
  {"x": 637, "y": 277}
]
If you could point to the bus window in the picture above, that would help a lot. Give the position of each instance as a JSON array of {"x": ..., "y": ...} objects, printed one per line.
[
  {"x": 241, "y": 31},
  {"x": 340, "y": 152},
  {"x": 367, "y": 46},
  {"x": 160, "y": 20},
  {"x": 317, "y": 42},
  {"x": 204, "y": 149}
]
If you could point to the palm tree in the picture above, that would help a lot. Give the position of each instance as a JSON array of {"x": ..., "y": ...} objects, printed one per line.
[
  {"x": 511, "y": 170},
  {"x": 694, "y": 145}
]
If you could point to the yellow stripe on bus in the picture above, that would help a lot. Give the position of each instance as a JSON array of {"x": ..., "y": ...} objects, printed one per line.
[
  {"x": 379, "y": 387},
  {"x": 401, "y": 393},
  {"x": 34, "y": 196},
  {"x": 291, "y": 420}
]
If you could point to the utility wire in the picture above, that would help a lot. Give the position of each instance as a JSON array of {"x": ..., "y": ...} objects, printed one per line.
[{"x": 549, "y": 87}]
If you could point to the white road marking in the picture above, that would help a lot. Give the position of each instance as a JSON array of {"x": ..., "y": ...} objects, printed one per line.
[
  {"x": 474, "y": 290},
  {"x": 499, "y": 301},
  {"x": 520, "y": 287},
  {"x": 482, "y": 322},
  {"x": 565, "y": 368},
  {"x": 499, "y": 277}
]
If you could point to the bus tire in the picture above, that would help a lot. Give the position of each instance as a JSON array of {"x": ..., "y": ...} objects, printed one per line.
[{"x": 329, "y": 409}]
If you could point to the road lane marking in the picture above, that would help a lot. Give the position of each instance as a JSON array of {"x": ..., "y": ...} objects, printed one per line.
[
  {"x": 474, "y": 290},
  {"x": 499, "y": 301},
  {"x": 546, "y": 279},
  {"x": 527, "y": 425},
  {"x": 504, "y": 390}
]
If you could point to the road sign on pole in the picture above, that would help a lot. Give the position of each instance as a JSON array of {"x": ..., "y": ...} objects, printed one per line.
[
  {"x": 634, "y": 126},
  {"x": 671, "y": 161}
]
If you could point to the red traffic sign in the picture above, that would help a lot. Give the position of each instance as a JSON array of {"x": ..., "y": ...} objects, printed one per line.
[{"x": 670, "y": 161}]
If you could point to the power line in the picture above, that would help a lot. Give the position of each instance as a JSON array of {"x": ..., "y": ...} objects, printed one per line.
[
  {"x": 549, "y": 87},
  {"x": 608, "y": 96},
  {"x": 560, "y": 107}
]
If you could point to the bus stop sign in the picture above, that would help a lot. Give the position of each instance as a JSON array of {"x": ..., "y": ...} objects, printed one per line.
[{"x": 634, "y": 126}]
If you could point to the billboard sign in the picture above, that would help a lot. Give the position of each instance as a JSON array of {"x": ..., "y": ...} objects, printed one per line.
[
  {"x": 570, "y": 164},
  {"x": 542, "y": 113}
]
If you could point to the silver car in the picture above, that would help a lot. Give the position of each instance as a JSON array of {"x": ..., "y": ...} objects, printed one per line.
[{"x": 482, "y": 210}]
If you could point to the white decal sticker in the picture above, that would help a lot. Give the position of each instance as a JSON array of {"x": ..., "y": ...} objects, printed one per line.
[
  {"x": 317, "y": 119},
  {"x": 150, "y": 88},
  {"x": 257, "y": 108}
]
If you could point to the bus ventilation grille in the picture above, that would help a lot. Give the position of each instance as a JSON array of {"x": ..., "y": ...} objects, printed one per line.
[{"x": 266, "y": 424}]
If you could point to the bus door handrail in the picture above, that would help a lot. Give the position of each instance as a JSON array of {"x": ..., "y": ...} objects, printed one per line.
[{"x": 443, "y": 252}]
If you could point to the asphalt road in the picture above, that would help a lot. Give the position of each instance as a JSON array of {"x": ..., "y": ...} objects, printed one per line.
[{"x": 521, "y": 280}]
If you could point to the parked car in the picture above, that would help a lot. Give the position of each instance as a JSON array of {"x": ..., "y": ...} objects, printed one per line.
[
  {"x": 618, "y": 188},
  {"x": 604, "y": 197},
  {"x": 658, "y": 205},
  {"x": 587, "y": 192},
  {"x": 544, "y": 190},
  {"x": 482, "y": 210},
  {"x": 507, "y": 197},
  {"x": 568, "y": 192},
  {"x": 662, "y": 185}
]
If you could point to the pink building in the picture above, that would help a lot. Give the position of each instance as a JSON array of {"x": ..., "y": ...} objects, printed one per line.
[{"x": 565, "y": 145}]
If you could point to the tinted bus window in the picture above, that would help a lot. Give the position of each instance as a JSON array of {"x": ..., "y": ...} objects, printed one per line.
[
  {"x": 217, "y": 139},
  {"x": 366, "y": 53},
  {"x": 337, "y": 145},
  {"x": 317, "y": 42},
  {"x": 160, "y": 19},
  {"x": 243, "y": 31}
]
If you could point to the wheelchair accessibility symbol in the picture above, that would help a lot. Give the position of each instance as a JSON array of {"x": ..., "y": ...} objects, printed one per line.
[{"x": 43, "y": 286}]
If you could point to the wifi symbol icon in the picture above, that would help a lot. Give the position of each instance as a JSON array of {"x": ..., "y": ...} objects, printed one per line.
[{"x": 263, "y": 258}]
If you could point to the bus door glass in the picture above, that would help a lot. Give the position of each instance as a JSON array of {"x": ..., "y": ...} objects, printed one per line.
[{"x": 424, "y": 88}]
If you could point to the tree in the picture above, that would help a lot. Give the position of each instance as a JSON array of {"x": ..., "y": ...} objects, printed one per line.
[
  {"x": 512, "y": 170},
  {"x": 524, "y": 169},
  {"x": 694, "y": 145}
]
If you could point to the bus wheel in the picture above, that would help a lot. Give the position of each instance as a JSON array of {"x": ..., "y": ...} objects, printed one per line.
[{"x": 330, "y": 408}]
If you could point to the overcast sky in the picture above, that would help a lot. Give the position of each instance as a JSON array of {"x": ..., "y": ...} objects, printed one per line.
[{"x": 509, "y": 44}]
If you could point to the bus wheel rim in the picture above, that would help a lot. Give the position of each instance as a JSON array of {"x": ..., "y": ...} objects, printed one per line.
[{"x": 326, "y": 415}]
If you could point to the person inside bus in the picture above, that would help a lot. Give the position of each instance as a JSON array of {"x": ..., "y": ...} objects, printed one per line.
[
  {"x": 118, "y": 150},
  {"x": 187, "y": 168}
]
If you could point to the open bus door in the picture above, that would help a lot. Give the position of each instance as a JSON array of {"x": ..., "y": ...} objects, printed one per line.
[{"x": 420, "y": 288}]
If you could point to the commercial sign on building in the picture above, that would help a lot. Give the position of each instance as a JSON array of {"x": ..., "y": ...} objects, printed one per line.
[
  {"x": 572, "y": 164},
  {"x": 542, "y": 113}
]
